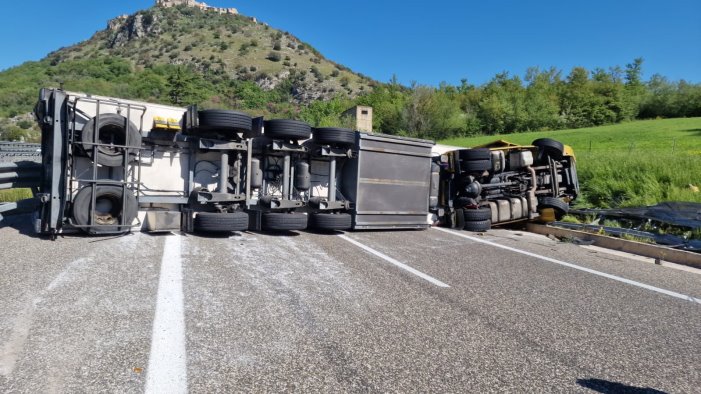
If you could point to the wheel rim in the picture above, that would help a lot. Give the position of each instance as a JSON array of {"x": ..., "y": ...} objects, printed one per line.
[
  {"x": 107, "y": 210},
  {"x": 111, "y": 135}
]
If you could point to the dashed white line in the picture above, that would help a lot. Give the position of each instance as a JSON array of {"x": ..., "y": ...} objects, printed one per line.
[
  {"x": 167, "y": 364},
  {"x": 395, "y": 262},
  {"x": 577, "y": 267}
]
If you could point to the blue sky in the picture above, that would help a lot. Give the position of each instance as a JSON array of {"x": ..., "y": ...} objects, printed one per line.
[{"x": 426, "y": 42}]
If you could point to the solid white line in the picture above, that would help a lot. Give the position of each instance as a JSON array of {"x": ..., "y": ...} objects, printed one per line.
[
  {"x": 577, "y": 267},
  {"x": 395, "y": 262},
  {"x": 167, "y": 364}
]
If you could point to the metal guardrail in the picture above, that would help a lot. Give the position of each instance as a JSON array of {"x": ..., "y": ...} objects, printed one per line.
[
  {"x": 19, "y": 175},
  {"x": 22, "y": 206},
  {"x": 19, "y": 149}
]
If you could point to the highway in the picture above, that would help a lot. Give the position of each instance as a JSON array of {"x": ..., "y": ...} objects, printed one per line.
[{"x": 407, "y": 311}]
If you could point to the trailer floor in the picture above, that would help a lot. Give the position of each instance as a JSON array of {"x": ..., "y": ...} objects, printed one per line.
[{"x": 410, "y": 311}]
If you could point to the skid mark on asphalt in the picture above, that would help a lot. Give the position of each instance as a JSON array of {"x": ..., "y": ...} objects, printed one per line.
[
  {"x": 394, "y": 262},
  {"x": 577, "y": 267},
  {"x": 23, "y": 323}
]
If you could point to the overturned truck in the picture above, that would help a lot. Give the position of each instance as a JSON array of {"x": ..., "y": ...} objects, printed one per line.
[{"x": 110, "y": 166}]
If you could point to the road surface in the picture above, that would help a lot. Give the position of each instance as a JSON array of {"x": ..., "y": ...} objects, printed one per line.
[{"x": 409, "y": 311}]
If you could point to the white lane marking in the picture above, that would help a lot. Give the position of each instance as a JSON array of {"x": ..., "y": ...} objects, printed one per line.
[
  {"x": 577, "y": 267},
  {"x": 167, "y": 364},
  {"x": 395, "y": 262}
]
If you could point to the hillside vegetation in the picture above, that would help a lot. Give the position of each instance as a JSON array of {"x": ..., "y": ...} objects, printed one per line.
[
  {"x": 184, "y": 56},
  {"x": 631, "y": 164}
]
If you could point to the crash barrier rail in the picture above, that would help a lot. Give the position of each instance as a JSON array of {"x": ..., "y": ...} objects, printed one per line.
[
  {"x": 21, "y": 149},
  {"x": 20, "y": 175},
  {"x": 23, "y": 206}
]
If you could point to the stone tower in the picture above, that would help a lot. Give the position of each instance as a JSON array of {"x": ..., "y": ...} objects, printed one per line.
[{"x": 172, "y": 3}]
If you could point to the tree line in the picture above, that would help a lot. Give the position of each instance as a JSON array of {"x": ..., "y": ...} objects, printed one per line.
[{"x": 542, "y": 100}]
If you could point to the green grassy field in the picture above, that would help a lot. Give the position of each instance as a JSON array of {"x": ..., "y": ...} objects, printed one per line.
[
  {"x": 13, "y": 195},
  {"x": 629, "y": 164}
]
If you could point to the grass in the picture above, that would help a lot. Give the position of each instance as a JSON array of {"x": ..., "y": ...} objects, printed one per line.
[
  {"x": 13, "y": 195},
  {"x": 630, "y": 164}
]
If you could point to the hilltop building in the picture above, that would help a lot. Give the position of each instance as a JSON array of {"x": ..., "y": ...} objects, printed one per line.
[{"x": 195, "y": 4}]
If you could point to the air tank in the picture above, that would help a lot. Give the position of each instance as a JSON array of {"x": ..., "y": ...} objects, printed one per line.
[
  {"x": 435, "y": 185},
  {"x": 303, "y": 180},
  {"x": 256, "y": 174}
]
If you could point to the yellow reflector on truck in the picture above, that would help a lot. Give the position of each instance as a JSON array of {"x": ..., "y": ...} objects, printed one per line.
[{"x": 173, "y": 124}]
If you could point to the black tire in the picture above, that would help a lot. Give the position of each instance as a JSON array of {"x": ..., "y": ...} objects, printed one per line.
[
  {"x": 333, "y": 136},
  {"x": 476, "y": 165},
  {"x": 459, "y": 218},
  {"x": 549, "y": 147},
  {"x": 277, "y": 221},
  {"x": 330, "y": 221},
  {"x": 561, "y": 208},
  {"x": 460, "y": 202},
  {"x": 478, "y": 226},
  {"x": 215, "y": 222},
  {"x": 108, "y": 212},
  {"x": 479, "y": 214},
  {"x": 287, "y": 129},
  {"x": 475, "y": 154},
  {"x": 215, "y": 118},
  {"x": 111, "y": 129}
]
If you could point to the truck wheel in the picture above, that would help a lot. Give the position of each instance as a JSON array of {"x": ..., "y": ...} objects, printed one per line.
[
  {"x": 287, "y": 129},
  {"x": 560, "y": 207},
  {"x": 108, "y": 209},
  {"x": 112, "y": 129},
  {"x": 478, "y": 225},
  {"x": 459, "y": 218},
  {"x": 475, "y": 165},
  {"x": 333, "y": 136},
  {"x": 479, "y": 214},
  {"x": 226, "y": 123},
  {"x": 277, "y": 221},
  {"x": 215, "y": 222},
  {"x": 330, "y": 221},
  {"x": 460, "y": 202},
  {"x": 549, "y": 147},
  {"x": 475, "y": 154}
]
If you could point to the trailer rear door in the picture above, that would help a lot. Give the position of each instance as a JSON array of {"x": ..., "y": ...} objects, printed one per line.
[{"x": 389, "y": 182}]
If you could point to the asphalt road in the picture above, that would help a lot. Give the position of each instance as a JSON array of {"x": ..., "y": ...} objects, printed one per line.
[{"x": 411, "y": 311}]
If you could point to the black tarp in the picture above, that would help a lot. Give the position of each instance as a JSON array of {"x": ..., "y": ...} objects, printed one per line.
[
  {"x": 682, "y": 214},
  {"x": 685, "y": 215}
]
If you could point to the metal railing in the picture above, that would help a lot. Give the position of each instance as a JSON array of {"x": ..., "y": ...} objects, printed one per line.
[
  {"x": 94, "y": 145},
  {"x": 19, "y": 149},
  {"x": 20, "y": 175}
]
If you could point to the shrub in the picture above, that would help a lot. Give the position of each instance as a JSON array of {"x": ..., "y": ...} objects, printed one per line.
[
  {"x": 24, "y": 124},
  {"x": 274, "y": 57}
]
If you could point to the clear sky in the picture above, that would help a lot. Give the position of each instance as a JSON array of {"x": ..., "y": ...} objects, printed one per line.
[{"x": 423, "y": 41}]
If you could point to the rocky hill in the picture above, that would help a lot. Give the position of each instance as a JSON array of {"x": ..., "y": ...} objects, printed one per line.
[{"x": 184, "y": 55}]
